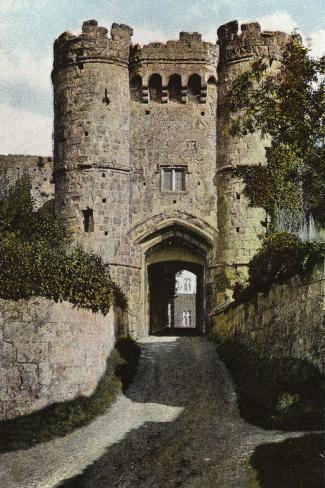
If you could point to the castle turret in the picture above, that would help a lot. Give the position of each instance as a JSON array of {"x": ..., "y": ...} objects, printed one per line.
[
  {"x": 241, "y": 227},
  {"x": 91, "y": 138}
]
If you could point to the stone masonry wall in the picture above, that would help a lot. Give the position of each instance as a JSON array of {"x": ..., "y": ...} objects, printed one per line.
[
  {"x": 38, "y": 168},
  {"x": 288, "y": 322},
  {"x": 50, "y": 352}
]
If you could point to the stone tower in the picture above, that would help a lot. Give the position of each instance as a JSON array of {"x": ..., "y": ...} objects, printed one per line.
[
  {"x": 241, "y": 227},
  {"x": 91, "y": 139}
]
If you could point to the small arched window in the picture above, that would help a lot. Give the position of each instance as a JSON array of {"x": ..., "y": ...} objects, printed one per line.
[
  {"x": 135, "y": 88},
  {"x": 194, "y": 87},
  {"x": 175, "y": 88},
  {"x": 155, "y": 88}
]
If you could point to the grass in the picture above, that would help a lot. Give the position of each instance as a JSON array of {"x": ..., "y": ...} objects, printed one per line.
[
  {"x": 275, "y": 393},
  {"x": 60, "y": 419},
  {"x": 293, "y": 463}
]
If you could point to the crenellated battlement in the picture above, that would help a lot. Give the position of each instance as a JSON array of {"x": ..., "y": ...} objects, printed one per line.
[
  {"x": 93, "y": 45},
  {"x": 189, "y": 48},
  {"x": 250, "y": 42},
  {"x": 172, "y": 69}
]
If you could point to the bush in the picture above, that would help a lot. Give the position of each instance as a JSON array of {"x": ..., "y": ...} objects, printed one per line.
[
  {"x": 37, "y": 258},
  {"x": 281, "y": 257}
]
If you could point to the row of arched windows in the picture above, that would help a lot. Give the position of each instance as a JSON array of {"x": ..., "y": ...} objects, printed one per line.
[{"x": 174, "y": 90}]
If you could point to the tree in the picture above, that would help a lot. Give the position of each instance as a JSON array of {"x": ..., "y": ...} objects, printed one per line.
[{"x": 287, "y": 105}]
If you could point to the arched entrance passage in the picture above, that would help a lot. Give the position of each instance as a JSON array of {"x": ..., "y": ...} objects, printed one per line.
[
  {"x": 176, "y": 297},
  {"x": 173, "y": 254}
]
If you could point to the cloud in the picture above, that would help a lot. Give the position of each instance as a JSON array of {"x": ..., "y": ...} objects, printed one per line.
[
  {"x": 11, "y": 5},
  {"x": 24, "y": 132},
  {"x": 279, "y": 21},
  {"x": 316, "y": 41},
  {"x": 145, "y": 36},
  {"x": 25, "y": 68},
  {"x": 210, "y": 35}
]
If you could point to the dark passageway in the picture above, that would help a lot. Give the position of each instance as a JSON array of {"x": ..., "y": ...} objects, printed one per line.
[{"x": 176, "y": 298}]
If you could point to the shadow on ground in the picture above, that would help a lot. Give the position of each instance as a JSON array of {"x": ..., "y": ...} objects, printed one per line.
[
  {"x": 194, "y": 449},
  {"x": 206, "y": 445}
]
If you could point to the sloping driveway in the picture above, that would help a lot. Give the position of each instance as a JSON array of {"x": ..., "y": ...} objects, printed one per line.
[{"x": 177, "y": 426}]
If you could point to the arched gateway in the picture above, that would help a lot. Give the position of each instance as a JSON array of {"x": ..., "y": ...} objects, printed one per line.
[{"x": 175, "y": 268}]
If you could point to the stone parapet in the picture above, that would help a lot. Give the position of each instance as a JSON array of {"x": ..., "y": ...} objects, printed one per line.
[
  {"x": 188, "y": 48},
  {"x": 93, "y": 44}
]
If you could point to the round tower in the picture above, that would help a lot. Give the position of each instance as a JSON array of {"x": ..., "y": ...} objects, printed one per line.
[
  {"x": 241, "y": 227},
  {"x": 91, "y": 139}
]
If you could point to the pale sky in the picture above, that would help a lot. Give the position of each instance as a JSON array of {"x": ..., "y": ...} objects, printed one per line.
[{"x": 29, "y": 27}]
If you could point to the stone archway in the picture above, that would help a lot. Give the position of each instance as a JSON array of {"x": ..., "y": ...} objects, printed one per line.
[{"x": 166, "y": 252}]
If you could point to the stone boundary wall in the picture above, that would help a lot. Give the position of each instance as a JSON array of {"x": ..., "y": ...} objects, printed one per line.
[
  {"x": 50, "y": 352},
  {"x": 38, "y": 168},
  {"x": 287, "y": 322}
]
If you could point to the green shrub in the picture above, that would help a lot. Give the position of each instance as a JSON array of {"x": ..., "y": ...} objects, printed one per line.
[
  {"x": 60, "y": 419},
  {"x": 17, "y": 215},
  {"x": 37, "y": 258},
  {"x": 281, "y": 257}
]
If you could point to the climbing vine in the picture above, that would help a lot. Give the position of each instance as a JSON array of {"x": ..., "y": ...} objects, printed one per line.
[
  {"x": 286, "y": 106},
  {"x": 281, "y": 257}
]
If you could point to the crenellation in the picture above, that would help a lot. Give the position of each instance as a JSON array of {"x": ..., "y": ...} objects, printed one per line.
[{"x": 249, "y": 43}]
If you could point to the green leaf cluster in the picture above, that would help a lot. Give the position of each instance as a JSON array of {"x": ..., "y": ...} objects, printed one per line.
[
  {"x": 287, "y": 105},
  {"x": 37, "y": 258},
  {"x": 281, "y": 257}
]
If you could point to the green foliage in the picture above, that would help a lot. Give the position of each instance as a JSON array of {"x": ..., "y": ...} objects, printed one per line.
[
  {"x": 277, "y": 186},
  {"x": 288, "y": 105},
  {"x": 17, "y": 215},
  {"x": 281, "y": 257},
  {"x": 60, "y": 419},
  {"x": 275, "y": 393},
  {"x": 38, "y": 259},
  {"x": 292, "y": 463}
]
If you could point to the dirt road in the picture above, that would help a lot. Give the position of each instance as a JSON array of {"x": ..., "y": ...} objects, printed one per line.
[{"x": 177, "y": 426}]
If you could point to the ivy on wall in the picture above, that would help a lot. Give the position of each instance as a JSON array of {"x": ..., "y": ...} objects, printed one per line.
[
  {"x": 281, "y": 257},
  {"x": 37, "y": 258},
  {"x": 286, "y": 105}
]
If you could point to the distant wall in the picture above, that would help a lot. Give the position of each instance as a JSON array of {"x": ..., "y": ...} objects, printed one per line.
[
  {"x": 288, "y": 321},
  {"x": 38, "y": 168},
  {"x": 184, "y": 302},
  {"x": 50, "y": 352}
]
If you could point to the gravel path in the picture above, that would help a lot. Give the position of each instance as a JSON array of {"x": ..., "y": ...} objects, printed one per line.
[{"x": 178, "y": 426}]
